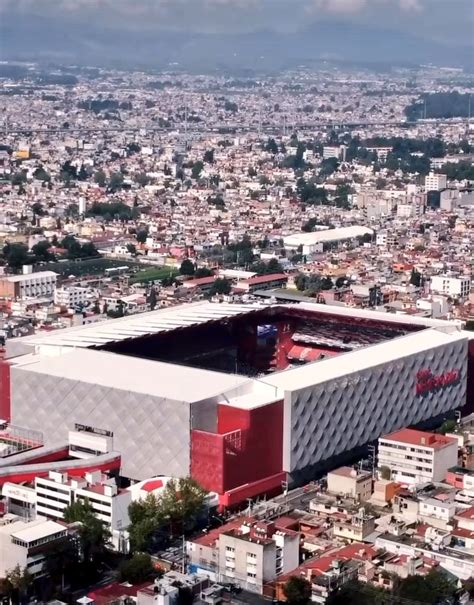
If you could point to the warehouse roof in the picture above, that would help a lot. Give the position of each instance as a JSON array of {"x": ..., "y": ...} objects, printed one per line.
[{"x": 328, "y": 235}]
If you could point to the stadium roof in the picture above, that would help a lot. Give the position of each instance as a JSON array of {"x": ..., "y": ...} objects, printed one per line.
[
  {"x": 143, "y": 324},
  {"x": 362, "y": 359},
  {"x": 155, "y": 378}
]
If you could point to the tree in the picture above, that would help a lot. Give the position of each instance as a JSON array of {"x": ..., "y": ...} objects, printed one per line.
[
  {"x": 88, "y": 249},
  {"x": 138, "y": 569},
  {"x": 132, "y": 249},
  {"x": 152, "y": 299},
  {"x": 220, "y": 286},
  {"x": 203, "y": 272},
  {"x": 41, "y": 251},
  {"x": 41, "y": 174},
  {"x": 297, "y": 591},
  {"x": 94, "y": 535},
  {"x": 187, "y": 267},
  {"x": 182, "y": 501},
  {"x": 385, "y": 473},
  {"x": 16, "y": 256},
  {"x": 142, "y": 235},
  {"x": 20, "y": 580},
  {"x": 415, "y": 278},
  {"x": 326, "y": 283},
  {"x": 271, "y": 146},
  {"x": 145, "y": 520},
  {"x": 19, "y": 178},
  {"x": 100, "y": 178},
  {"x": 209, "y": 156},
  {"x": 115, "y": 181},
  {"x": 196, "y": 169},
  {"x": 428, "y": 589},
  {"x": 142, "y": 179}
]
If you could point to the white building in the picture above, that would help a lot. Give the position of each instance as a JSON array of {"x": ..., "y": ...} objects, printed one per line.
[
  {"x": 28, "y": 285},
  {"x": 435, "y": 182},
  {"x": 71, "y": 297},
  {"x": 56, "y": 492},
  {"x": 26, "y": 543},
  {"x": 347, "y": 481},
  {"x": 415, "y": 457},
  {"x": 457, "y": 287}
]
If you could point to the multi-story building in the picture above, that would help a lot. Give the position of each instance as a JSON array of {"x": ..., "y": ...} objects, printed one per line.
[
  {"x": 56, "y": 492},
  {"x": 455, "y": 286},
  {"x": 29, "y": 285},
  {"x": 347, "y": 481},
  {"x": 249, "y": 553},
  {"x": 415, "y": 457},
  {"x": 72, "y": 296},
  {"x": 27, "y": 542},
  {"x": 435, "y": 182}
]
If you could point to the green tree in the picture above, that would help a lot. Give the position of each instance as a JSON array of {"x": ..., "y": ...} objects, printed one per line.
[
  {"x": 385, "y": 473},
  {"x": 88, "y": 249},
  {"x": 326, "y": 283},
  {"x": 132, "y": 249},
  {"x": 138, "y": 569},
  {"x": 426, "y": 589},
  {"x": 209, "y": 156},
  {"x": 187, "y": 267},
  {"x": 271, "y": 146},
  {"x": 20, "y": 581},
  {"x": 41, "y": 174},
  {"x": 116, "y": 181},
  {"x": 93, "y": 533},
  {"x": 196, "y": 169},
  {"x": 203, "y": 272},
  {"x": 100, "y": 178},
  {"x": 142, "y": 179},
  {"x": 145, "y": 520},
  {"x": 16, "y": 256},
  {"x": 182, "y": 501},
  {"x": 297, "y": 591},
  {"x": 142, "y": 235},
  {"x": 415, "y": 278},
  {"x": 19, "y": 178},
  {"x": 41, "y": 251}
]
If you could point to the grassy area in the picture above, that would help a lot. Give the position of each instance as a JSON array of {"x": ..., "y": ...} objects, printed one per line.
[
  {"x": 152, "y": 274},
  {"x": 88, "y": 266}
]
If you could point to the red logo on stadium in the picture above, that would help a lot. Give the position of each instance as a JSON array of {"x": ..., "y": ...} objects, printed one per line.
[{"x": 427, "y": 382}]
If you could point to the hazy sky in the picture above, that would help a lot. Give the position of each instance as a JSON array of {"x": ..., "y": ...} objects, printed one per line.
[{"x": 433, "y": 19}]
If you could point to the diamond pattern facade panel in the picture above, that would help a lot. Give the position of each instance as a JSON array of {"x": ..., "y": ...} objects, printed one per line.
[
  {"x": 325, "y": 421},
  {"x": 152, "y": 434}
]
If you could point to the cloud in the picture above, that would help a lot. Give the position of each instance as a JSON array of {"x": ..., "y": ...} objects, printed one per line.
[{"x": 347, "y": 7}]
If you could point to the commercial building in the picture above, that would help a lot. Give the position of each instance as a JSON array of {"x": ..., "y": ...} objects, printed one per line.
[
  {"x": 27, "y": 543},
  {"x": 29, "y": 285},
  {"x": 309, "y": 243},
  {"x": 223, "y": 391},
  {"x": 110, "y": 505},
  {"x": 348, "y": 481},
  {"x": 455, "y": 286},
  {"x": 415, "y": 457}
]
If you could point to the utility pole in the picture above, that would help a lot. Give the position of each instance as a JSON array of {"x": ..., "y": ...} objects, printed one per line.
[
  {"x": 371, "y": 449},
  {"x": 183, "y": 566}
]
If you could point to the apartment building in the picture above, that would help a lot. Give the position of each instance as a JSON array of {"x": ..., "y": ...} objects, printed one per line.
[
  {"x": 435, "y": 182},
  {"x": 349, "y": 482},
  {"x": 456, "y": 287},
  {"x": 255, "y": 554},
  {"x": 415, "y": 457},
  {"x": 29, "y": 285},
  {"x": 26, "y": 543},
  {"x": 71, "y": 297},
  {"x": 247, "y": 552},
  {"x": 57, "y": 491}
]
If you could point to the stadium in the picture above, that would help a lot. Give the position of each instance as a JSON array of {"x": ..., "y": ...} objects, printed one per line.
[{"x": 244, "y": 397}]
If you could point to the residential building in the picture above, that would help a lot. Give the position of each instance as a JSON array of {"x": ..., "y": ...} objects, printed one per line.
[
  {"x": 454, "y": 286},
  {"x": 71, "y": 297},
  {"x": 415, "y": 457},
  {"x": 350, "y": 482},
  {"x": 435, "y": 182}
]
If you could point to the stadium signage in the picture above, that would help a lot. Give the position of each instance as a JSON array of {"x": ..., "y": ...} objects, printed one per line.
[{"x": 427, "y": 382}]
